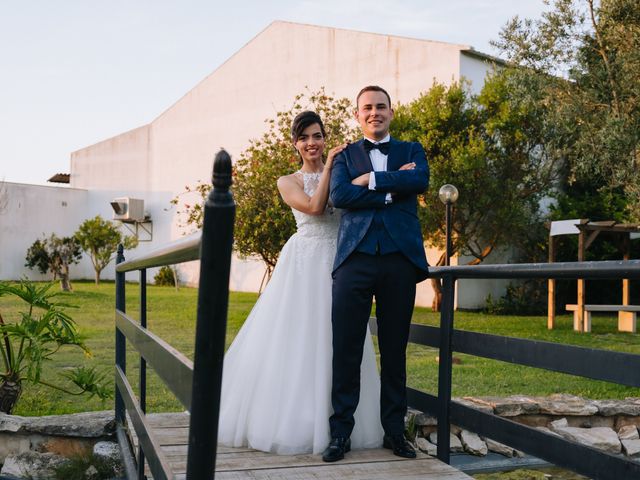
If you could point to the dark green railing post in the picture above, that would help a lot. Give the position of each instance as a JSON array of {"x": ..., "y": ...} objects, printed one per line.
[
  {"x": 445, "y": 366},
  {"x": 213, "y": 299},
  {"x": 121, "y": 352},
  {"x": 143, "y": 365}
]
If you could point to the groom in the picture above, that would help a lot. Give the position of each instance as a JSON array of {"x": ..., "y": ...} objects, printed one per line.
[{"x": 380, "y": 254}]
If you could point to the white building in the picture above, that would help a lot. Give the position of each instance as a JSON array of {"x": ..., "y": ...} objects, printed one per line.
[{"x": 227, "y": 109}]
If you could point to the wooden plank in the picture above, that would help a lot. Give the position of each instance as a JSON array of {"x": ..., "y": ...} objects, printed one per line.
[
  {"x": 255, "y": 461},
  {"x": 407, "y": 470},
  {"x": 177, "y": 419},
  {"x": 605, "y": 308},
  {"x": 551, "y": 295}
]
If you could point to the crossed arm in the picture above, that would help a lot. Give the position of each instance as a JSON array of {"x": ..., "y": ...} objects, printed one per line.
[{"x": 345, "y": 194}]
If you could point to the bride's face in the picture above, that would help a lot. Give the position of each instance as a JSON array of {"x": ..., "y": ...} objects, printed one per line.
[{"x": 310, "y": 144}]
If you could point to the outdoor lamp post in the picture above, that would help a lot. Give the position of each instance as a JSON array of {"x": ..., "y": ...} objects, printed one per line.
[{"x": 448, "y": 195}]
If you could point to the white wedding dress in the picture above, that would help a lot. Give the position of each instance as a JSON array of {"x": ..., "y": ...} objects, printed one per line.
[{"x": 276, "y": 385}]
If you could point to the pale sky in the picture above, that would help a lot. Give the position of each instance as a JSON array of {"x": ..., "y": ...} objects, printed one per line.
[{"x": 75, "y": 72}]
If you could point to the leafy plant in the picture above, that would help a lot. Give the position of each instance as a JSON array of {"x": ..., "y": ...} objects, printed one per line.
[
  {"x": 581, "y": 59},
  {"x": 33, "y": 338},
  {"x": 76, "y": 468},
  {"x": 55, "y": 254},
  {"x": 263, "y": 221},
  {"x": 492, "y": 148},
  {"x": 167, "y": 276},
  {"x": 100, "y": 239}
]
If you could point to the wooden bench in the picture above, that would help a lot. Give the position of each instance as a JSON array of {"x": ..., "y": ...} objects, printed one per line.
[{"x": 626, "y": 316}]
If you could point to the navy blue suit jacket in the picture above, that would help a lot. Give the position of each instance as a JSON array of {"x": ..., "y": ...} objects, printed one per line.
[{"x": 360, "y": 204}]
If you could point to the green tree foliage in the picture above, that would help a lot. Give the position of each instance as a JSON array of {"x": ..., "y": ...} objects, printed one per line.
[
  {"x": 32, "y": 338},
  {"x": 54, "y": 254},
  {"x": 263, "y": 221},
  {"x": 100, "y": 239},
  {"x": 489, "y": 146},
  {"x": 582, "y": 58}
]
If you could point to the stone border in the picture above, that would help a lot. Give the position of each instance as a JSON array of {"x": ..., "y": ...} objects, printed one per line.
[{"x": 609, "y": 425}]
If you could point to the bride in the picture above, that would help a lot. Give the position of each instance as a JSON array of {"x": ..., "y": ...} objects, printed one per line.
[{"x": 276, "y": 386}]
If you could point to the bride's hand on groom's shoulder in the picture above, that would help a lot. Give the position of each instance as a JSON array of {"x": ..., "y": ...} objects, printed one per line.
[{"x": 332, "y": 154}]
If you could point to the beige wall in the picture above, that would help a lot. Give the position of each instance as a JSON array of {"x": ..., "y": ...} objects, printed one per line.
[
  {"x": 120, "y": 162},
  {"x": 228, "y": 108}
]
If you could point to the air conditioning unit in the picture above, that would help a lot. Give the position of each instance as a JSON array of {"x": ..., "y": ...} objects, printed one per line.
[{"x": 128, "y": 210}]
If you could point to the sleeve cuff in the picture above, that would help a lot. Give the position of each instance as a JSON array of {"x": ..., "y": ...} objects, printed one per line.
[{"x": 372, "y": 181}]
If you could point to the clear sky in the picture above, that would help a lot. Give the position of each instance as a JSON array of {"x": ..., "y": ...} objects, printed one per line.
[{"x": 74, "y": 72}]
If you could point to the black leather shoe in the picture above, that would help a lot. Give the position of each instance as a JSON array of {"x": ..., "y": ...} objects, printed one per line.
[
  {"x": 400, "y": 446},
  {"x": 336, "y": 449}
]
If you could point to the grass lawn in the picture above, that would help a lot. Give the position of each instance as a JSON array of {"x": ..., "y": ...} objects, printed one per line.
[{"x": 171, "y": 315}]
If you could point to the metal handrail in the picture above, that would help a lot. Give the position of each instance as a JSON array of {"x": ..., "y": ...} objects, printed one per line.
[
  {"x": 182, "y": 250},
  {"x": 562, "y": 270},
  {"x": 196, "y": 384},
  {"x": 582, "y": 459}
]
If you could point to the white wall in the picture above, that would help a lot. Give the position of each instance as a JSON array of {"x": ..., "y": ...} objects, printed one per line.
[
  {"x": 35, "y": 211},
  {"x": 31, "y": 212}
]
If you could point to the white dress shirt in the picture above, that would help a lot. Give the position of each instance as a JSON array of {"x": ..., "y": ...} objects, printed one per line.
[{"x": 379, "y": 163}]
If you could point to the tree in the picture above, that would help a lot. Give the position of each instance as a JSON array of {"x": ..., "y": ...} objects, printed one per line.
[
  {"x": 493, "y": 150},
  {"x": 55, "y": 254},
  {"x": 583, "y": 59},
  {"x": 100, "y": 239},
  {"x": 263, "y": 221},
  {"x": 34, "y": 337}
]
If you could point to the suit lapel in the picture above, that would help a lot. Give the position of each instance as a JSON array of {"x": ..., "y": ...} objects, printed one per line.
[
  {"x": 394, "y": 155},
  {"x": 360, "y": 158}
]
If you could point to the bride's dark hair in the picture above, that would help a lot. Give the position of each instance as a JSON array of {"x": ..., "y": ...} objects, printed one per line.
[{"x": 302, "y": 121}]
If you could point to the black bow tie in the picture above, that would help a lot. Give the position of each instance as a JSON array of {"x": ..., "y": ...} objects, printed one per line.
[{"x": 383, "y": 147}]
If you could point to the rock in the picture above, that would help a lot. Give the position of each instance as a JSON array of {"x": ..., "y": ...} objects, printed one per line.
[
  {"x": 500, "y": 448},
  {"x": 454, "y": 442},
  {"x": 548, "y": 431},
  {"x": 510, "y": 406},
  {"x": 560, "y": 423},
  {"x": 86, "y": 424},
  {"x": 455, "y": 430},
  {"x": 631, "y": 448},
  {"x": 473, "y": 444},
  {"x": 628, "y": 406},
  {"x": 628, "y": 432},
  {"x": 107, "y": 450},
  {"x": 419, "y": 419},
  {"x": 91, "y": 473},
  {"x": 32, "y": 465},
  {"x": 427, "y": 447},
  {"x": 12, "y": 444},
  {"x": 475, "y": 403},
  {"x": 63, "y": 446},
  {"x": 562, "y": 404},
  {"x": 602, "y": 438}
]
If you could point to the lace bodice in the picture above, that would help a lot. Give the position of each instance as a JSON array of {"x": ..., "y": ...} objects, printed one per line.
[{"x": 316, "y": 226}]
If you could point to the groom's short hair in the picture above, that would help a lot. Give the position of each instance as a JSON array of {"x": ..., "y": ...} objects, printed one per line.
[{"x": 373, "y": 88}]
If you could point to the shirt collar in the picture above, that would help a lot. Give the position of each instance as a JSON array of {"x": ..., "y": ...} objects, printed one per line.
[{"x": 384, "y": 140}]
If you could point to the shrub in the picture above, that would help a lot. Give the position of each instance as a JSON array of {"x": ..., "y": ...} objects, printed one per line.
[{"x": 166, "y": 276}]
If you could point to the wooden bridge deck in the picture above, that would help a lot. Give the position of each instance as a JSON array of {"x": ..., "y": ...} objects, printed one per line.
[{"x": 171, "y": 430}]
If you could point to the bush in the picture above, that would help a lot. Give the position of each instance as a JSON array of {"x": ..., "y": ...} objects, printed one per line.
[
  {"x": 91, "y": 466},
  {"x": 523, "y": 298},
  {"x": 165, "y": 276}
]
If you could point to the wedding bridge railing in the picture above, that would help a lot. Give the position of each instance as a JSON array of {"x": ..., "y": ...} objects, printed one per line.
[
  {"x": 196, "y": 384},
  {"x": 609, "y": 366}
]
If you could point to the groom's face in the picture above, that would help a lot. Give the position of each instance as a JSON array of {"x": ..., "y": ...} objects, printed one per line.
[{"x": 374, "y": 114}]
